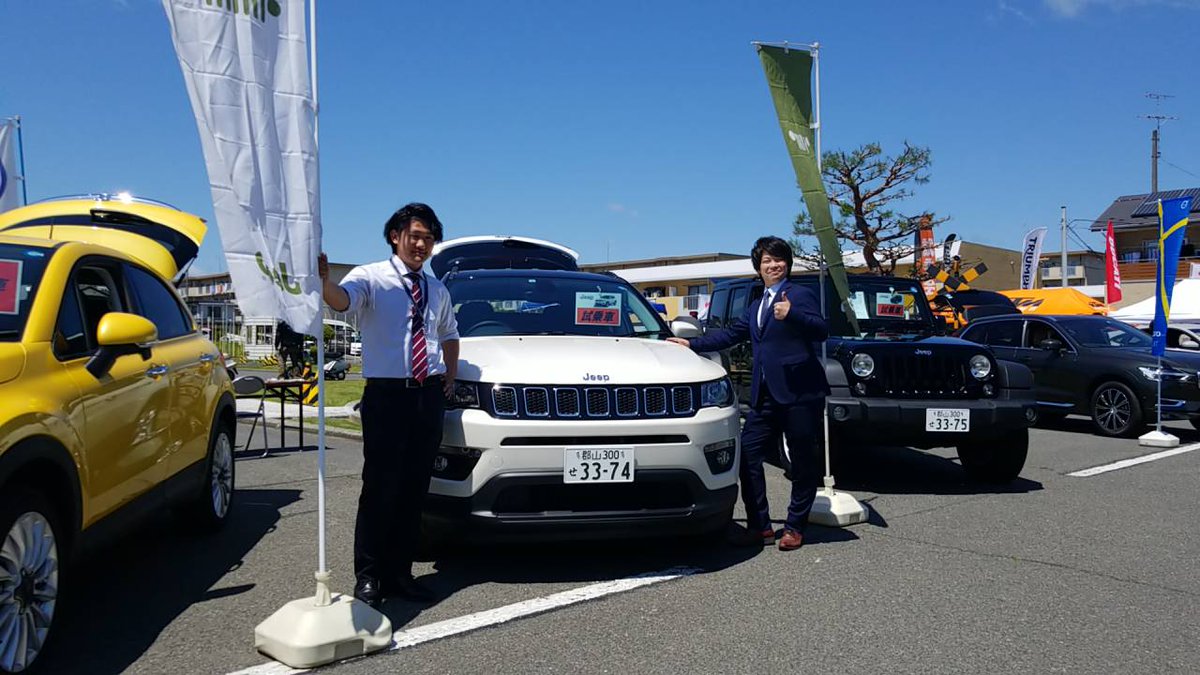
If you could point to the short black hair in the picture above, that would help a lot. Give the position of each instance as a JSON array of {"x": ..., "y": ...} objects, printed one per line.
[
  {"x": 404, "y": 216},
  {"x": 773, "y": 246}
]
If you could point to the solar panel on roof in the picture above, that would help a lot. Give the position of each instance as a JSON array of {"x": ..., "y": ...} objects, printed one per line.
[{"x": 1149, "y": 207}]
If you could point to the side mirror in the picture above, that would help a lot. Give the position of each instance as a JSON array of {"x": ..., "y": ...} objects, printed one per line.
[
  {"x": 119, "y": 334},
  {"x": 686, "y": 327},
  {"x": 1186, "y": 342},
  {"x": 1051, "y": 345}
]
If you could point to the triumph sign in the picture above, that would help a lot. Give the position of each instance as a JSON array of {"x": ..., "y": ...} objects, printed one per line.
[{"x": 1030, "y": 253}]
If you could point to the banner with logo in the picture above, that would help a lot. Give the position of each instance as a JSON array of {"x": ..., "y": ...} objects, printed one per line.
[
  {"x": 1172, "y": 230},
  {"x": 1112, "y": 275},
  {"x": 925, "y": 255},
  {"x": 10, "y": 176},
  {"x": 1031, "y": 253},
  {"x": 789, "y": 75},
  {"x": 247, "y": 74}
]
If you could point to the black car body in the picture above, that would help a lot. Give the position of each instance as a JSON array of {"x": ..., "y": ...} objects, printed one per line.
[
  {"x": 919, "y": 390},
  {"x": 1095, "y": 366}
]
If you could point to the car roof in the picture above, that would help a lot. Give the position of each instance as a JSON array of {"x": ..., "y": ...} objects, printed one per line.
[
  {"x": 1053, "y": 318},
  {"x": 519, "y": 273}
]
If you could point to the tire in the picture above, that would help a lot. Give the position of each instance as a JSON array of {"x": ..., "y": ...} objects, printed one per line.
[
  {"x": 30, "y": 576},
  {"x": 997, "y": 459},
  {"x": 1116, "y": 411},
  {"x": 209, "y": 508}
]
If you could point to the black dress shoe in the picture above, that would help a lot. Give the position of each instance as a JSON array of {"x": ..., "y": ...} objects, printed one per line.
[
  {"x": 411, "y": 589},
  {"x": 369, "y": 591}
]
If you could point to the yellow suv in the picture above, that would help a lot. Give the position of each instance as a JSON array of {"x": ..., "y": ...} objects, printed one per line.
[{"x": 110, "y": 399}]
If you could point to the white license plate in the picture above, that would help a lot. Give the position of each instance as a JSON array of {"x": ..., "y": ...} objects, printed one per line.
[
  {"x": 947, "y": 419},
  {"x": 598, "y": 465}
]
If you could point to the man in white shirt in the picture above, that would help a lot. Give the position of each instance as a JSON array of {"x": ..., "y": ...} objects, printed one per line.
[{"x": 410, "y": 358}]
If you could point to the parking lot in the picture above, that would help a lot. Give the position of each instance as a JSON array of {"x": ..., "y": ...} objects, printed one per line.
[{"x": 1054, "y": 573}]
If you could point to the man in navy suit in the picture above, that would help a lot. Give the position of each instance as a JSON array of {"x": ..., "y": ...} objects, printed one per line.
[{"x": 787, "y": 392}]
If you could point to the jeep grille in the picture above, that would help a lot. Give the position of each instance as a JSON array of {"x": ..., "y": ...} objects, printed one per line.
[
  {"x": 936, "y": 376},
  {"x": 592, "y": 402}
]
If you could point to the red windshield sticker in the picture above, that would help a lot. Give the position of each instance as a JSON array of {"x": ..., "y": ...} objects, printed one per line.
[
  {"x": 890, "y": 310},
  {"x": 10, "y": 286},
  {"x": 597, "y": 309}
]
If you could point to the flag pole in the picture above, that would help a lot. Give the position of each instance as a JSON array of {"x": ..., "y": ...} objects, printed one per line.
[
  {"x": 21, "y": 159},
  {"x": 322, "y": 568}
]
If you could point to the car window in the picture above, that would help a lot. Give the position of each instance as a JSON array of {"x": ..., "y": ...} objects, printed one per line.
[
  {"x": 1037, "y": 332},
  {"x": 996, "y": 334},
  {"x": 156, "y": 302},
  {"x": 737, "y": 303},
  {"x": 71, "y": 339},
  {"x": 717, "y": 308},
  {"x": 21, "y": 269},
  {"x": 536, "y": 304},
  {"x": 99, "y": 292},
  {"x": 1094, "y": 331}
]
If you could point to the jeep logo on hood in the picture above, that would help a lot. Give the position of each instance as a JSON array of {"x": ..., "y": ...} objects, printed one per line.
[
  {"x": 589, "y": 377},
  {"x": 923, "y": 352}
]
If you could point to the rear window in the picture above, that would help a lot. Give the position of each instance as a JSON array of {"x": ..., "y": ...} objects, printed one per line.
[
  {"x": 21, "y": 269},
  {"x": 542, "y": 305}
]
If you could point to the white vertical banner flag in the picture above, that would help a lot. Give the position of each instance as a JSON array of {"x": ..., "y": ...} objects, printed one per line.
[
  {"x": 1031, "y": 252},
  {"x": 246, "y": 68},
  {"x": 10, "y": 177}
]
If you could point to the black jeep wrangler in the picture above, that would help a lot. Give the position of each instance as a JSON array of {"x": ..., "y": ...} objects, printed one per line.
[{"x": 899, "y": 380}]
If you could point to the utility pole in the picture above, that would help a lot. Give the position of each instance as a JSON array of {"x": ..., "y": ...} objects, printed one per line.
[
  {"x": 1064, "y": 247},
  {"x": 1158, "y": 120}
]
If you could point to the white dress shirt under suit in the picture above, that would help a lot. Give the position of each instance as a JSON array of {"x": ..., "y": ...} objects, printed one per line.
[{"x": 387, "y": 328}]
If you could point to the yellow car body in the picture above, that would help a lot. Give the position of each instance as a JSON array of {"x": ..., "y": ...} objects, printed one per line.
[{"x": 108, "y": 392}]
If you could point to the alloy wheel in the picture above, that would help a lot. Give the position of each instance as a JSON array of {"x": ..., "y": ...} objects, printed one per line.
[
  {"x": 221, "y": 478},
  {"x": 28, "y": 590},
  {"x": 1113, "y": 410}
]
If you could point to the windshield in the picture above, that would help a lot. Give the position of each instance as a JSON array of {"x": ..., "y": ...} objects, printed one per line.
[
  {"x": 533, "y": 304},
  {"x": 886, "y": 309},
  {"x": 1100, "y": 332},
  {"x": 21, "y": 269}
]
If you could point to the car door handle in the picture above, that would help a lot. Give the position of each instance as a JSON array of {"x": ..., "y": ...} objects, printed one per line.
[{"x": 156, "y": 371}]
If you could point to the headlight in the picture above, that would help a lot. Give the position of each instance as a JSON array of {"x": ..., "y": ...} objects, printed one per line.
[
  {"x": 716, "y": 393},
  {"x": 862, "y": 365},
  {"x": 1168, "y": 374},
  {"x": 466, "y": 395},
  {"x": 981, "y": 366}
]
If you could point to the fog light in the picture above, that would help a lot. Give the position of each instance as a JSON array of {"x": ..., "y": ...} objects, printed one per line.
[
  {"x": 861, "y": 388},
  {"x": 455, "y": 463},
  {"x": 840, "y": 413},
  {"x": 988, "y": 389},
  {"x": 720, "y": 455},
  {"x": 440, "y": 463},
  {"x": 1031, "y": 414}
]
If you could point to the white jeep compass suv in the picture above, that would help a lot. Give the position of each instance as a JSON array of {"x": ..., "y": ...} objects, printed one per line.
[{"x": 572, "y": 417}]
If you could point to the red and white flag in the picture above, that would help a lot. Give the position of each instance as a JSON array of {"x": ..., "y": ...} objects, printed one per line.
[{"x": 1112, "y": 291}]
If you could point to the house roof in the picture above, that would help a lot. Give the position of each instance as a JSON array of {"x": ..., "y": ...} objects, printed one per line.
[{"x": 1137, "y": 212}]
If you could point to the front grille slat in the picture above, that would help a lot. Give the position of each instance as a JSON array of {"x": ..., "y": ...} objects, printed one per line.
[
  {"x": 593, "y": 402},
  {"x": 934, "y": 376}
]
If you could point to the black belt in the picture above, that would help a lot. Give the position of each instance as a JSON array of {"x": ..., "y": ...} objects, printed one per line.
[{"x": 405, "y": 382}]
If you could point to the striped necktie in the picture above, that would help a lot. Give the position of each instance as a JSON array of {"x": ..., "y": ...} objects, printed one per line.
[{"x": 420, "y": 361}]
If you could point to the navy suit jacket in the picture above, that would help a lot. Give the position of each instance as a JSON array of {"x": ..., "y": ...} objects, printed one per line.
[{"x": 787, "y": 355}]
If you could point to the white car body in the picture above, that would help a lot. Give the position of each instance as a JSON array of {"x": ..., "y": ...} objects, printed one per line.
[{"x": 503, "y": 465}]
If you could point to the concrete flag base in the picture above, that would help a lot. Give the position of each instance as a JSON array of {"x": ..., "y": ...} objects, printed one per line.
[
  {"x": 836, "y": 509},
  {"x": 317, "y": 630},
  {"x": 1158, "y": 439}
]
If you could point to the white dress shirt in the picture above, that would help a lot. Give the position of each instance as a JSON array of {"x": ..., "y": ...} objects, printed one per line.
[
  {"x": 379, "y": 296},
  {"x": 764, "y": 310}
]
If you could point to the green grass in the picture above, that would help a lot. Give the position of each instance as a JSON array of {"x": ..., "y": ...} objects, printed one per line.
[
  {"x": 342, "y": 423},
  {"x": 341, "y": 392}
]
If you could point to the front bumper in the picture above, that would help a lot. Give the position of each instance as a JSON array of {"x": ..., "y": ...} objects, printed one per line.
[{"x": 902, "y": 421}]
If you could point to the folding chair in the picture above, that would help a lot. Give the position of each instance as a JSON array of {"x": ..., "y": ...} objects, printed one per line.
[{"x": 249, "y": 385}]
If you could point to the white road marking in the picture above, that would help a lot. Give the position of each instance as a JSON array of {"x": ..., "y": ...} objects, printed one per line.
[
  {"x": 403, "y": 639},
  {"x": 1125, "y": 463}
]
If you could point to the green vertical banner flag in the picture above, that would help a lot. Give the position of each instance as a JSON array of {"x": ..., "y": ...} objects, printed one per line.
[{"x": 789, "y": 75}]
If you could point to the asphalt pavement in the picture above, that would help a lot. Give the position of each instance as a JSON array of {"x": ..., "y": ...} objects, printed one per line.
[{"x": 1054, "y": 573}]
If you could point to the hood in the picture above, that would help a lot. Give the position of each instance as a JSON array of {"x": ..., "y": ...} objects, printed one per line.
[
  {"x": 553, "y": 359},
  {"x": 1184, "y": 359},
  {"x": 500, "y": 253},
  {"x": 12, "y": 360},
  {"x": 159, "y": 236}
]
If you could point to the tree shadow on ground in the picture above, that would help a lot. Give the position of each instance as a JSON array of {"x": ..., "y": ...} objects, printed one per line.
[{"x": 126, "y": 589}]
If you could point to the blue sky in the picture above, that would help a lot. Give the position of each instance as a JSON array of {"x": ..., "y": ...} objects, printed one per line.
[{"x": 637, "y": 129}]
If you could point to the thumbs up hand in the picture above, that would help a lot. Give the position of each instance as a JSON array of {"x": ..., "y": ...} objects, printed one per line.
[{"x": 782, "y": 307}]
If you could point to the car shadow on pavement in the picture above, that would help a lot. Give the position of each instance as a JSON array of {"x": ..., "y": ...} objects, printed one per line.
[
  {"x": 898, "y": 470},
  {"x": 575, "y": 563},
  {"x": 127, "y": 589}
]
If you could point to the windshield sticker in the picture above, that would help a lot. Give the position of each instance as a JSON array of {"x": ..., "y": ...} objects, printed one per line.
[
  {"x": 889, "y": 305},
  {"x": 10, "y": 286},
  {"x": 858, "y": 302},
  {"x": 597, "y": 309}
]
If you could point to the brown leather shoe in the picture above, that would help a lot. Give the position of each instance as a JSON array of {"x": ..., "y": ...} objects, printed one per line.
[
  {"x": 747, "y": 537},
  {"x": 791, "y": 540}
]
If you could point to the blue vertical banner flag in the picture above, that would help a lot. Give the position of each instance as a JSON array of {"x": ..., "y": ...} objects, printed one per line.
[
  {"x": 1172, "y": 230},
  {"x": 10, "y": 174}
]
